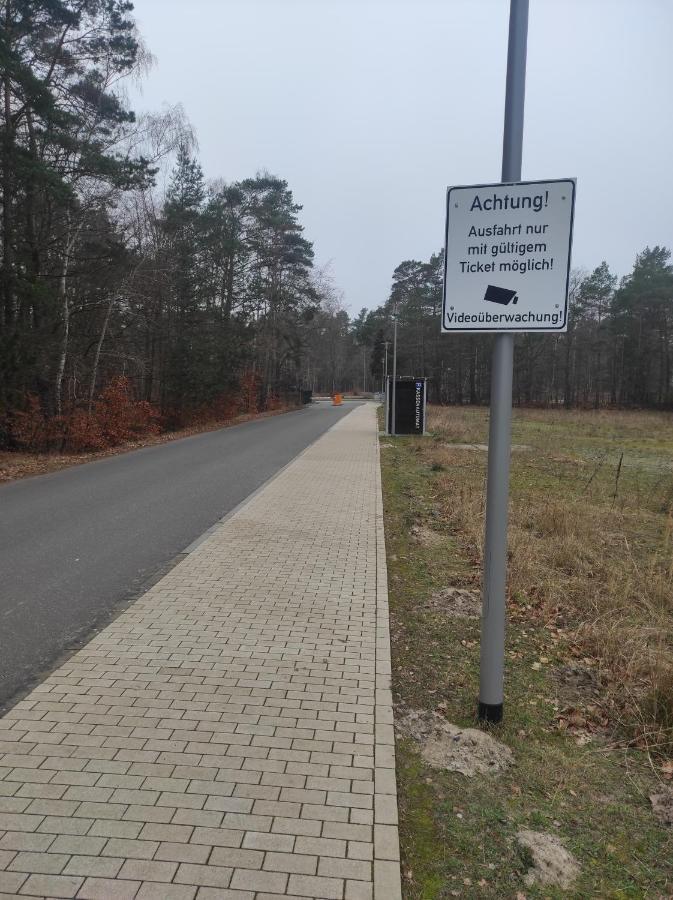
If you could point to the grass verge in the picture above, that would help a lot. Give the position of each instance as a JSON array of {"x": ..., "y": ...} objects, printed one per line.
[{"x": 588, "y": 693}]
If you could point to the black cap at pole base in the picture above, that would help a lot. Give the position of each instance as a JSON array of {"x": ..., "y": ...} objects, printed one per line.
[{"x": 490, "y": 712}]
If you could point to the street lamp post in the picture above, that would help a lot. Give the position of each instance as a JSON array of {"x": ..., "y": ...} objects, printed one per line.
[{"x": 392, "y": 430}]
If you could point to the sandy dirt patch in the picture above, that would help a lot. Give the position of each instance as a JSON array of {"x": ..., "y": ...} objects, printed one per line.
[
  {"x": 458, "y": 603},
  {"x": 662, "y": 806},
  {"x": 468, "y": 751},
  {"x": 425, "y": 536},
  {"x": 552, "y": 863}
]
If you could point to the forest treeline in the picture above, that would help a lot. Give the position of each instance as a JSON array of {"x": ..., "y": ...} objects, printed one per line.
[
  {"x": 617, "y": 351},
  {"x": 125, "y": 306},
  {"x": 135, "y": 295}
]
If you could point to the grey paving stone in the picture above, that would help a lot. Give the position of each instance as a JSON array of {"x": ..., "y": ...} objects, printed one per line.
[{"x": 229, "y": 736}]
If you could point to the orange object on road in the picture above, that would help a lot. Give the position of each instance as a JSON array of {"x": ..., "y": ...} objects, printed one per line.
[{"x": 337, "y": 400}]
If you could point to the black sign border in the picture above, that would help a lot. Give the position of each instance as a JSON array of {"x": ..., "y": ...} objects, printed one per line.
[{"x": 490, "y": 330}]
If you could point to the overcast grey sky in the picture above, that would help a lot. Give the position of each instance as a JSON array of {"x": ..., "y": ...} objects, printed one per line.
[{"x": 370, "y": 108}]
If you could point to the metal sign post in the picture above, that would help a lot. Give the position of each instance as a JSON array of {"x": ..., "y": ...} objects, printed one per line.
[
  {"x": 506, "y": 270},
  {"x": 491, "y": 684}
]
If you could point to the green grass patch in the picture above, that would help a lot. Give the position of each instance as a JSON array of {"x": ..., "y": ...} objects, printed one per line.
[{"x": 590, "y": 784}]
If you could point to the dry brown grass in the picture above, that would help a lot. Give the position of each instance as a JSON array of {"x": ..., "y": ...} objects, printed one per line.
[{"x": 591, "y": 540}]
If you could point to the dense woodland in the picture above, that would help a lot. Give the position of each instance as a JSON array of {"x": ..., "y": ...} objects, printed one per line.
[
  {"x": 618, "y": 350},
  {"x": 135, "y": 295},
  {"x": 125, "y": 305}
]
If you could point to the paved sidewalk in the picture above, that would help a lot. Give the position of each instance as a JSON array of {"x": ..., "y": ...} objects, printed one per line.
[{"x": 230, "y": 735}]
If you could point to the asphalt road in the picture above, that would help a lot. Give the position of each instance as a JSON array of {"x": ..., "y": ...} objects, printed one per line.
[{"x": 78, "y": 544}]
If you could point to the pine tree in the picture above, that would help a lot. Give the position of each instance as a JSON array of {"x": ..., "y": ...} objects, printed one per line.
[
  {"x": 186, "y": 354},
  {"x": 61, "y": 126},
  {"x": 594, "y": 298},
  {"x": 642, "y": 329},
  {"x": 378, "y": 354}
]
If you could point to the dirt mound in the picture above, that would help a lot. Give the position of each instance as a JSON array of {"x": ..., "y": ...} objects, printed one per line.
[
  {"x": 457, "y": 603},
  {"x": 662, "y": 806},
  {"x": 446, "y": 746},
  {"x": 576, "y": 680},
  {"x": 425, "y": 536},
  {"x": 552, "y": 863}
]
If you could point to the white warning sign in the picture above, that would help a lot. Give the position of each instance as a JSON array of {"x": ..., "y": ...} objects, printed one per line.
[{"x": 508, "y": 256}]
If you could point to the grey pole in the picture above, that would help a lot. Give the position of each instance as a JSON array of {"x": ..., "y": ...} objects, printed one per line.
[
  {"x": 394, "y": 411},
  {"x": 386, "y": 388},
  {"x": 491, "y": 693}
]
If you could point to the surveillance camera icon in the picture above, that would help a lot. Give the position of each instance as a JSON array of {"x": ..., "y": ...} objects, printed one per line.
[{"x": 503, "y": 296}]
